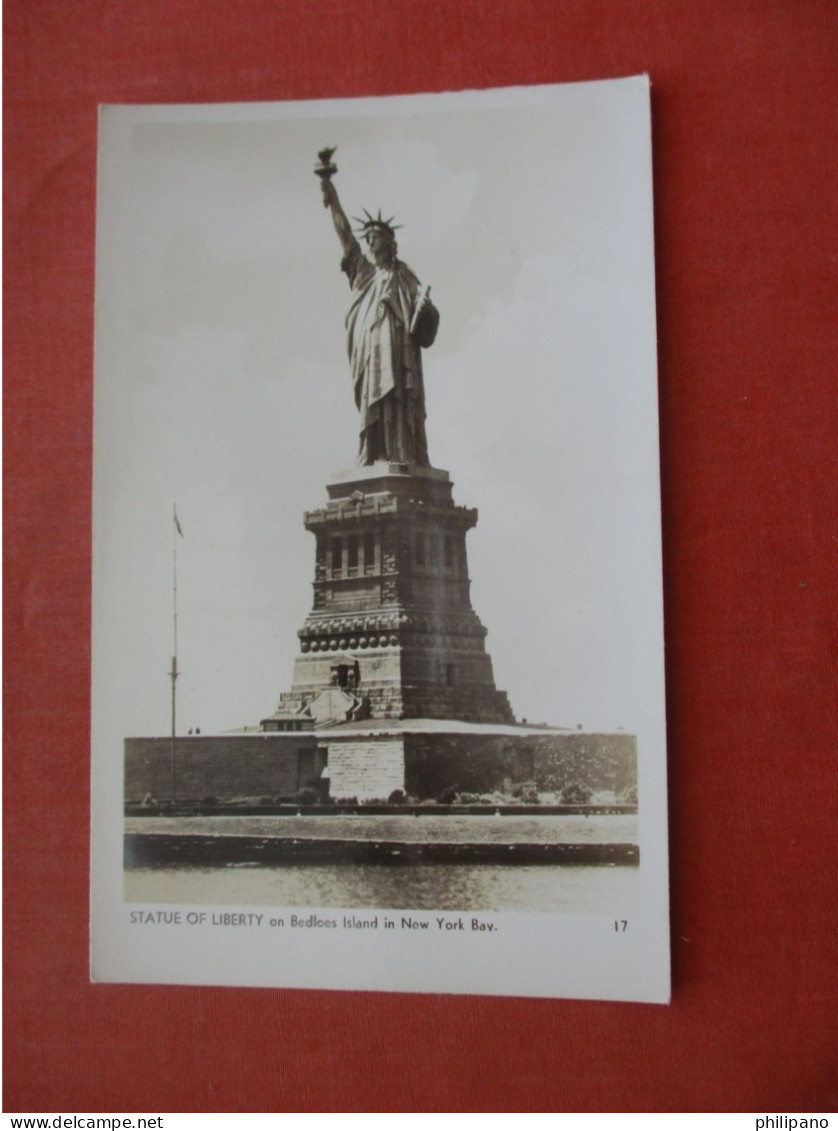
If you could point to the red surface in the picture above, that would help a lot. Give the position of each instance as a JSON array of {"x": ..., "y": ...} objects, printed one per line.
[{"x": 744, "y": 110}]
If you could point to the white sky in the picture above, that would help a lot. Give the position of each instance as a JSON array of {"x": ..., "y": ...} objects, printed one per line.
[{"x": 222, "y": 383}]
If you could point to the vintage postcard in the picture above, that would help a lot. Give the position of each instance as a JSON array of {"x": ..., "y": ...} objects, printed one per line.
[{"x": 378, "y": 696}]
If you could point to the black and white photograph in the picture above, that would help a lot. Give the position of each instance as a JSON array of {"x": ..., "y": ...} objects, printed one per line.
[{"x": 378, "y": 694}]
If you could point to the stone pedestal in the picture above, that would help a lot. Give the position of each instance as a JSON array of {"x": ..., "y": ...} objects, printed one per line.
[{"x": 392, "y": 625}]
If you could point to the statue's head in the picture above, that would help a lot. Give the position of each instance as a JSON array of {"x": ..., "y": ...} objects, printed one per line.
[{"x": 380, "y": 236}]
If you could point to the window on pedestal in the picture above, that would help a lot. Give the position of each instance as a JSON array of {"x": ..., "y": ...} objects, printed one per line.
[
  {"x": 352, "y": 555},
  {"x": 337, "y": 555},
  {"x": 420, "y": 550},
  {"x": 449, "y": 675},
  {"x": 369, "y": 552}
]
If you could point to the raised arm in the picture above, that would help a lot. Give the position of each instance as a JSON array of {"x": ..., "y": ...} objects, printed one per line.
[{"x": 339, "y": 218}]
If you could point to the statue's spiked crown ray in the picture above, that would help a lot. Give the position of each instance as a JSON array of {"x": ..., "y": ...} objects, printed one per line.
[{"x": 373, "y": 223}]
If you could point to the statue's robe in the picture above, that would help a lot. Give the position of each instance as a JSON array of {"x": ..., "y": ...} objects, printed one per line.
[{"x": 385, "y": 359}]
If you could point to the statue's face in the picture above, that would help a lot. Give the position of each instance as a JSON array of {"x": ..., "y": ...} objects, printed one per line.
[{"x": 379, "y": 243}]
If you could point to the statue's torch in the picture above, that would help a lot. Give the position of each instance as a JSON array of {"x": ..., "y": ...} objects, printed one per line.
[{"x": 326, "y": 168}]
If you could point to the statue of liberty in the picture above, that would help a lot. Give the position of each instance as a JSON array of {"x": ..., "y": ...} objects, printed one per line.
[{"x": 391, "y": 319}]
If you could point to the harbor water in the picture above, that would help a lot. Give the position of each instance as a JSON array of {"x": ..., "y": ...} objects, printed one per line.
[{"x": 464, "y": 887}]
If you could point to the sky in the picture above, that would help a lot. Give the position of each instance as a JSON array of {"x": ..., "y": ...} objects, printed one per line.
[{"x": 221, "y": 384}]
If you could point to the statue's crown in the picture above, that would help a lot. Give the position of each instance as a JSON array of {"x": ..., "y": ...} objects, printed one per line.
[{"x": 376, "y": 222}]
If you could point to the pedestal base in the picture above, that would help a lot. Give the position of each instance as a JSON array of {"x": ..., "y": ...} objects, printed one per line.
[
  {"x": 392, "y": 624},
  {"x": 365, "y": 762}
]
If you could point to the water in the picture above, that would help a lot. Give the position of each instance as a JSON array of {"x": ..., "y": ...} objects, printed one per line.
[{"x": 446, "y": 887}]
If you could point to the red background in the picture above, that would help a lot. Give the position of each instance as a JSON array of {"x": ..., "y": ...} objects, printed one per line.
[{"x": 744, "y": 108}]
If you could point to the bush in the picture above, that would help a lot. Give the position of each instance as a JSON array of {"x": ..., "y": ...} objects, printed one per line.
[
  {"x": 209, "y": 800},
  {"x": 526, "y": 793},
  {"x": 307, "y": 796},
  {"x": 397, "y": 797},
  {"x": 448, "y": 796},
  {"x": 575, "y": 793}
]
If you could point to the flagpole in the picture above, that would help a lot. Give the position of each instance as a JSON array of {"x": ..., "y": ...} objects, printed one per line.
[{"x": 174, "y": 672}]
